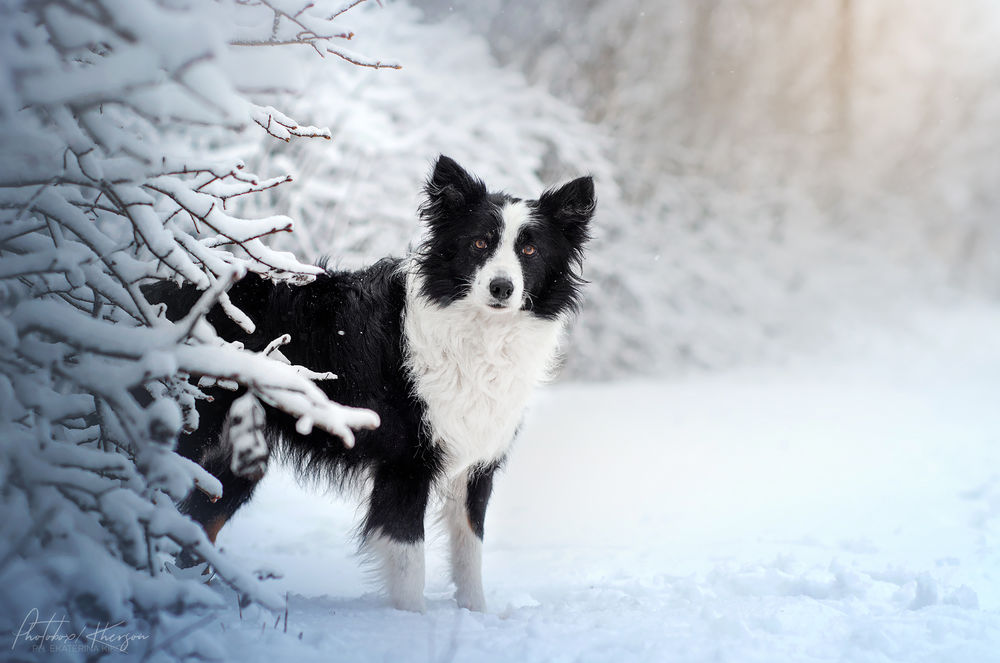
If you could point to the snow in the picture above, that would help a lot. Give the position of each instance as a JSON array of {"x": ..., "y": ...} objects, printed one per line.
[{"x": 841, "y": 507}]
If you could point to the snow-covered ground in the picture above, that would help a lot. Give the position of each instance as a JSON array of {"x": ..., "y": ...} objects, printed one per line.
[{"x": 844, "y": 508}]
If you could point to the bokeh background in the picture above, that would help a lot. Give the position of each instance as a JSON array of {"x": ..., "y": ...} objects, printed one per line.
[{"x": 775, "y": 177}]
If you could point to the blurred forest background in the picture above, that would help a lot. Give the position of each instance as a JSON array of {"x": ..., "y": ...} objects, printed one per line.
[{"x": 773, "y": 175}]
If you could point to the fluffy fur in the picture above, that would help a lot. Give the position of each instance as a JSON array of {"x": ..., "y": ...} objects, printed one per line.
[{"x": 445, "y": 345}]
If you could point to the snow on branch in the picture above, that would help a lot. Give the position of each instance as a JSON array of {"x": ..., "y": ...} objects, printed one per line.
[
  {"x": 283, "y": 386},
  {"x": 108, "y": 111},
  {"x": 283, "y": 127}
]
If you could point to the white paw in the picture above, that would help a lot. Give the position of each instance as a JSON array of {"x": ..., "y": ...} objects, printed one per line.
[
  {"x": 401, "y": 568},
  {"x": 471, "y": 600},
  {"x": 409, "y": 603}
]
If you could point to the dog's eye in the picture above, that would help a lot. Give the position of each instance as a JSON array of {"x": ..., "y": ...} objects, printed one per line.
[
  {"x": 480, "y": 244},
  {"x": 529, "y": 250}
]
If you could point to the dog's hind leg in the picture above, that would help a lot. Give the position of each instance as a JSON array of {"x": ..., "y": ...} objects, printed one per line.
[
  {"x": 393, "y": 531},
  {"x": 212, "y": 516},
  {"x": 465, "y": 515},
  {"x": 237, "y": 456}
]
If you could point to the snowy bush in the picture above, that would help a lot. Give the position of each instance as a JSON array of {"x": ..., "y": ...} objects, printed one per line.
[{"x": 101, "y": 190}]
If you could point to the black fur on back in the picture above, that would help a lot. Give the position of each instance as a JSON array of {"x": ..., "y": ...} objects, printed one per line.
[{"x": 348, "y": 323}]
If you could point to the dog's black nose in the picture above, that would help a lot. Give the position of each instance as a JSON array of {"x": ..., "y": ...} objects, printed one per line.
[{"x": 501, "y": 288}]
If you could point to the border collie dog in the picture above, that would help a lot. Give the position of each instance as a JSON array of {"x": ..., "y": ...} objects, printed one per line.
[{"x": 445, "y": 345}]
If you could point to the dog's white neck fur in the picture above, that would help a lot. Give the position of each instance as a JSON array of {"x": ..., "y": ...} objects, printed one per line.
[{"x": 475, "y": 370}]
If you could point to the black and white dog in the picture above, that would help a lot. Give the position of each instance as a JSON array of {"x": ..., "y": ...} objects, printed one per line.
[{"x": 444, "y": 345}]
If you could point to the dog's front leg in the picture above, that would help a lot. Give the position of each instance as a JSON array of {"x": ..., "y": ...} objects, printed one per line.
[
  {"x": 465, "y": 514},
  {"x": 393, "y": 531}
]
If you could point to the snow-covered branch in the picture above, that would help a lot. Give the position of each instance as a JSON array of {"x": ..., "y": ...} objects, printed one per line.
[{"x": 111, "y": 118}]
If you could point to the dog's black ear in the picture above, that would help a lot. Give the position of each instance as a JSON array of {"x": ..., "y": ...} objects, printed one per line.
[
  {"x": 571, "y": 206},
  {"x": 451, "y": 188}
]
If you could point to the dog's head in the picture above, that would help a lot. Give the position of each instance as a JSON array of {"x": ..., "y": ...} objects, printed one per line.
[{"x": 499, "y": 253}]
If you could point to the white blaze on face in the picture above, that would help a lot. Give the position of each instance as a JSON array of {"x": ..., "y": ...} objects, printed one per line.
[{"x": 504, "y": 263}]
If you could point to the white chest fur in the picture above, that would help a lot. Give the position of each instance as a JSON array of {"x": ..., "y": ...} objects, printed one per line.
[{"x": 475, "y": 370}]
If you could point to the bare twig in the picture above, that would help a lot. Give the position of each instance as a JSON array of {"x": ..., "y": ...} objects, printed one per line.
[{"x": 357, "y": 60}]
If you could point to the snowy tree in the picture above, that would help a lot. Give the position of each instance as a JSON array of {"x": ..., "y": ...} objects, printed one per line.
[{"x": 114, "y": 121}]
